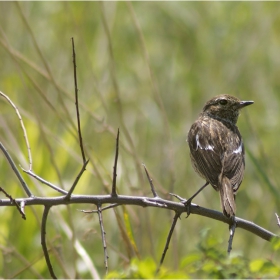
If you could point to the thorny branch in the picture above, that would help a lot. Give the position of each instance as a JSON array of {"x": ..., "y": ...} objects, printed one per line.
[
  {"x": 22, "y": 126},
  {"x": 43, "y": 241},
  {"x": 102, "y": 209},
  {"x": 150, "y": 181},
  {"x": 77, "y": 102},
  {"x": 114, "y": 184},
  {"x": 103, "y": 234},
  {"x": 32, "y": 174},
  {"x": 175, "y": 219},
  {"x": 12, "y": 164},
  {"x": 76, "y": 180},
  {"x": 19, "y": 208},
  {"x": 85, "y": 162},
  {"x": 144, "y": 202}
]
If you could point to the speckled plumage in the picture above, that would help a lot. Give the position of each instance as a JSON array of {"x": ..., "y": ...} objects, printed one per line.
[{"x": 217, "y": 150}]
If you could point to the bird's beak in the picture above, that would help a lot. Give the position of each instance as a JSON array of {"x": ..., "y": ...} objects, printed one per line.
[{"x": 244, "y": 104}]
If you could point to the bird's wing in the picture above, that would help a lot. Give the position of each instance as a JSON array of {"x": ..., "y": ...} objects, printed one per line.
[
  {"x": 234, "y": 162},
  {"x": 216, "y": 151}
]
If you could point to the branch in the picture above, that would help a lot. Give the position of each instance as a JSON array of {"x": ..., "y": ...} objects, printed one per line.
[
  {"x": 43, "y": 241},
  {"x": 31, "y": 173},
  {"x": 12, "y": 164},
  {"x": 144, "y": 202},
  {"x": 103, "y": 233},
  {"x": 114, "y": 184},
  {"x": 150, "y": 181},
  {"x": 19, "y": 208},
  {"x": 175, "y": 219},
  {"x": 22, "y": 126},
  {"x": 76, "y": 180},
  {"x": 102, "y": 209},
  {"x": 77, "y": 102}
]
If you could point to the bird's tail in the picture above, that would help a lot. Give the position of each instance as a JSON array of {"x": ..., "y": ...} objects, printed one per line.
[{"x": 227, "y": 198}]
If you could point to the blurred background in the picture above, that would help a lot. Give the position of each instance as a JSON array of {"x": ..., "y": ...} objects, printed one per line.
[{"x": 146, "y": 68}]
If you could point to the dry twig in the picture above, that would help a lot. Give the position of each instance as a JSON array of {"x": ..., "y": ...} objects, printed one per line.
[
  {"x": 43, "y": 241},
  {"x": 19, "y": 208},
  {"x": 103, "y": 233},
  {"x": 175, "y": 219},
  {"x": 114, "y": 184},
  {"x": 12, "y": 164},
  {"x": 150, "y": 181},
  {"x": 22, "y": 127},
  {"x": 77, "y": 102}
]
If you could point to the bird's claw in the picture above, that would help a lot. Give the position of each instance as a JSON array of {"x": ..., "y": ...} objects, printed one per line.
[{"x": 187, "y": 204}]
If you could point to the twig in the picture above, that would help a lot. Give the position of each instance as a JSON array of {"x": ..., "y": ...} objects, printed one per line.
[
  {"x": 114, "y": 184},
  {"x": 150, "y": 181},
  {"x": 182, "y": 200},
  {"x": 188, "y": 201},
  {"x": 77, "y": 102},
  {"x": 175, "y": 219},
  {"x": 19, "y": 208},
  {"x": 31, "y": 173},
  {"x": 67, "y": 197},
  {"x": 154, "y": 202},
  {"x": 12, "y": 164},
  {"x": 103, "y": 233},
  {"x": 22, "y": 126},
  {"x": 231, "y": 234},
  {"x": 43, "y": 241},
  {"x": 102, "y": 209}
]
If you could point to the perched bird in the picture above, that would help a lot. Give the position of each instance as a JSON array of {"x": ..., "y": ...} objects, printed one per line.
[{"x": 217, "y": 150}]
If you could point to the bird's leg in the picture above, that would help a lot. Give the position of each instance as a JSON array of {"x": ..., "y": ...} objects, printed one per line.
[
  {"x": 189, "y": 201},
  {"x": 232, "y": 228}
]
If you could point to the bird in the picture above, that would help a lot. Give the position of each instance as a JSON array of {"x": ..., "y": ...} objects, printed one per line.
[{"x": 216, "y": 148}]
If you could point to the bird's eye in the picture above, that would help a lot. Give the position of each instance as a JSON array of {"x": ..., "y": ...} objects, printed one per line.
[{"x": 223, "y": 101}]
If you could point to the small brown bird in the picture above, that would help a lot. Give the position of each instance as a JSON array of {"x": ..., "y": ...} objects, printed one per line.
[{"x": 217, "y": 150}]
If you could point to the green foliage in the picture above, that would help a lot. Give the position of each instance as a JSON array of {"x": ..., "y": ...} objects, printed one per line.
[{"x": 208, "y": 261}]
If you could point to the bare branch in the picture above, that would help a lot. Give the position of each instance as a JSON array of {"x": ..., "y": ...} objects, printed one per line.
[
  {"x": 43, "y": 240},
  {"x": 19, "y": 208},
  {"x": 144, "y": 202},
  {"x": 76, "y": 180},
  {"x": 103, "y": 233},
  {"x": 31, "y": 173},
  {"x": 12, "y": 164},
  {"x": 154, "y": 202},
  {"x": 150, "y": 181},
  {"x": 175, "y": 219},
  {"x": 231, "y": 234},
  {"x": 182, "y": 200},
  {"x": 102, "y": 209},
  {"x": 114, "y": 184},
  {"x": 22, "y": 126},
  {"x": 77, "y": 102}
]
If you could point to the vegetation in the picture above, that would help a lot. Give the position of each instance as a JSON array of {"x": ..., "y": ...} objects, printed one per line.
[{"x": 146, "y": 68}]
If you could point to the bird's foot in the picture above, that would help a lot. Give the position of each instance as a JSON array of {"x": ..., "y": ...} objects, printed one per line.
[
  {"x": 186, "y": 202},
  {"x": 188, "y": 206}
]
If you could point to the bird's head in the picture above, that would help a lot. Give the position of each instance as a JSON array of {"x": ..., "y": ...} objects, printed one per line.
[{"x": 225, "y": 107}]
